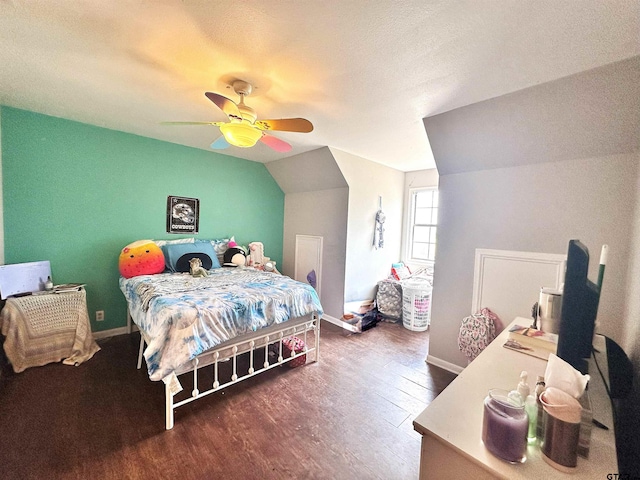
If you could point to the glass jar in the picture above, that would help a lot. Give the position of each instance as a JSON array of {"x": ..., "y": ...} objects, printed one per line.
[{"x": 504, "y": 426}]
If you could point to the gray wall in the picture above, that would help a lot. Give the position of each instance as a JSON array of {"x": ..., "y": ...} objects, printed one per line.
[
  {"x": 629, "y": 422},
  {"x": 588, "y": 115},
  {"x": 367, "y": 180},
  {"x": 631, "y": 337},
  {"x": 316, "y": 203},
  {"x": 307, "y": 172},
  {"x": 323, "y": 213},
  {"x": 420, "y": 178},
  {"x": 335, "y": 195},
  {"x": 533, "y": 208},
  {"x": 529, "y": 171}
]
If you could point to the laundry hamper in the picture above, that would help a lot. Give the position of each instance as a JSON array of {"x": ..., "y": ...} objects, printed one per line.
[{"x": 416, "y": 305}]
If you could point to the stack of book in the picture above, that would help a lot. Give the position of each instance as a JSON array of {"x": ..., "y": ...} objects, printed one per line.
[
  {"x": 67, "y": 287},
  {"x": 532, "y": 341}
]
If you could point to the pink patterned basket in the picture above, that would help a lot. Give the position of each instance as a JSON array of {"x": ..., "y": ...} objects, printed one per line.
[{"x": 297, "y": 345}]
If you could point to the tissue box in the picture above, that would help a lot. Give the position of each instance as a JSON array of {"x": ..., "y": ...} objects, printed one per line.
[{"x": 586, "y": 423}]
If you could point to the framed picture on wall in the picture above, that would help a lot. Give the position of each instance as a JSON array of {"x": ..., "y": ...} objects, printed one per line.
[{"x": 183, "y": 215}]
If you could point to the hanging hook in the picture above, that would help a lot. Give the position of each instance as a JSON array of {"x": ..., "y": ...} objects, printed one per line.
[{"x": 380, "y": 202}]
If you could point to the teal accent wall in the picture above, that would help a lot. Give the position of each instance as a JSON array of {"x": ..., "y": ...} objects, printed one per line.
[{"x": 76, "y": 194}]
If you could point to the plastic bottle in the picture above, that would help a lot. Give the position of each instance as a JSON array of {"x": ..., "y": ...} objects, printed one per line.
[
  {"x": 518, "y": 396},
  {"x": 540, "y": 386},
  {"x": 523, "y": 387},
  {"x": 48, "y": 285},
  {"x": 531, "y": 407}
]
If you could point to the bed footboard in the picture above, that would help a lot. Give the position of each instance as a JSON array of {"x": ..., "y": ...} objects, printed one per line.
[{"x": 230, "y": 351}]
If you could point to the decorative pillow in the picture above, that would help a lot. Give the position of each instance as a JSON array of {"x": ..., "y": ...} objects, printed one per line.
[
  {"x": 143, "y": 257},
  {"x": 177, "y": 255},
  {"x": 220, "y": 246},
  {"x": 219, "y": 243},
  {"x": 206, "y": 246}
]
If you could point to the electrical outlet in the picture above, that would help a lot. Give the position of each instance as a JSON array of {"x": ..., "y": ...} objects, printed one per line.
[{"x": 99, "y": 315}]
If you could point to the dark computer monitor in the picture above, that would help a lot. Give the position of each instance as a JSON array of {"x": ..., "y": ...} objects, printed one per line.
[{"x": 580, "y": 300}]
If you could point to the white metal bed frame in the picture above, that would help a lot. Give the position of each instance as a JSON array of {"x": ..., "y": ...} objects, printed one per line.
[{"x": 230, "y": 350}]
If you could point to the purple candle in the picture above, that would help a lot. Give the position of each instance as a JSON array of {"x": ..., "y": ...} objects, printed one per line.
[{"x": 504, "y": 427}]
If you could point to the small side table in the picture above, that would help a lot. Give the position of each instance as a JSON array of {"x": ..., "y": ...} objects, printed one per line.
[{"x": 42, "y": 329}]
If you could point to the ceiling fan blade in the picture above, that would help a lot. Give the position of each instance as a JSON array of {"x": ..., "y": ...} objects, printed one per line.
[
  {"x": 300, "y": 125},
  {"x": 220, "y": 144},
  {"x": 275, "y": 143},
  {"x": 217, "y": 124},
  {"x": 228, "y": 106}
]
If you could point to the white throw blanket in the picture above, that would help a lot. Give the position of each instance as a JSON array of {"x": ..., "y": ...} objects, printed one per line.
[{"x": 41, "y": 329}]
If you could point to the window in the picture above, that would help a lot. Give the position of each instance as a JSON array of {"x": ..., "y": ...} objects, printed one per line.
[{"x": 423, "y": 221}]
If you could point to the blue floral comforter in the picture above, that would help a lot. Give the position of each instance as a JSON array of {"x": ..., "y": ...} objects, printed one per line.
[{"x": 183, "y": 316}]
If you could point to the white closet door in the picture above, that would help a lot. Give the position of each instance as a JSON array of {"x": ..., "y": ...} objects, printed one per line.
[{"x": 308, "y": 259}]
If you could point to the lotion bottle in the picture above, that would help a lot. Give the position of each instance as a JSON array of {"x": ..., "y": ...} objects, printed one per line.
[
  {"x": 523, "y": 387},
  {"x": 531, "y": 407}
]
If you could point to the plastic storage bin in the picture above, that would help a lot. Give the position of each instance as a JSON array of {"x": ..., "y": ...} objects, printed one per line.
[{"x": 416, "y": 306}]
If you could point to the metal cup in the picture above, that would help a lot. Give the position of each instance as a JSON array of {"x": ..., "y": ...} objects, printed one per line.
[{"x": 550, "y": 309}]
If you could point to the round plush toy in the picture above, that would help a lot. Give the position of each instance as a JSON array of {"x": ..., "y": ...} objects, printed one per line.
[
  {"x": 235, "y": 256},
  {"x": 143, "y": 257}
]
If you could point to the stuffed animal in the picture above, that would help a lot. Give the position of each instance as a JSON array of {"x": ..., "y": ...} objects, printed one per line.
[
  {"x": 256, "y": 254},
  {"x": 196, "y": 268},
  {"x": 143, "y": 257},
  {"x": 235, "y": 256}
]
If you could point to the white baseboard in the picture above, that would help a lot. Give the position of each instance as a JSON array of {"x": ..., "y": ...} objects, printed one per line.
[
  {"x": 331, "y": 319},
  {"x": 450, "y": 367},
  {"x": 110, "y": 333},
  {"x": 339, "y": 323}
]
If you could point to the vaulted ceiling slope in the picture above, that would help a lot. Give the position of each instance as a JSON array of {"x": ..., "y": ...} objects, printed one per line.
[
  {"x": 590, "y": 114},
  {"x": 364, "y": 72},
  {"x": 315, "y": 170}
]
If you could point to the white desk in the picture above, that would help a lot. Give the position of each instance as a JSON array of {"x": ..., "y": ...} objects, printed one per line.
[{"x": 451, "y": 426}]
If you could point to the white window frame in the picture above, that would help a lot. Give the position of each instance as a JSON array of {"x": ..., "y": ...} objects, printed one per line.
[{"x": 408, "y": 243}]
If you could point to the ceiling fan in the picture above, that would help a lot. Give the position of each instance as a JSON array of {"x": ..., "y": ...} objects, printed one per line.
[{"x": 242, "y": 129}]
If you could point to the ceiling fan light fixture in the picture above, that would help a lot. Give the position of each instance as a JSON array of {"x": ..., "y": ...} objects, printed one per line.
[
  {"x": 241, "y": 134},
  {"x": 243, "y": 130}
]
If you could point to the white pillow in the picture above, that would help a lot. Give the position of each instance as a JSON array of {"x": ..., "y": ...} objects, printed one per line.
[{"x": 161, "y": 243}]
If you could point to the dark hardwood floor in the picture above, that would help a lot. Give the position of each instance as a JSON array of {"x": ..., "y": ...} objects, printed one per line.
[{"x": 347, "y": 417}]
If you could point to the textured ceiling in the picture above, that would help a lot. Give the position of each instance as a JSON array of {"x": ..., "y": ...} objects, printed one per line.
[{"x": 364, "y": 72}]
